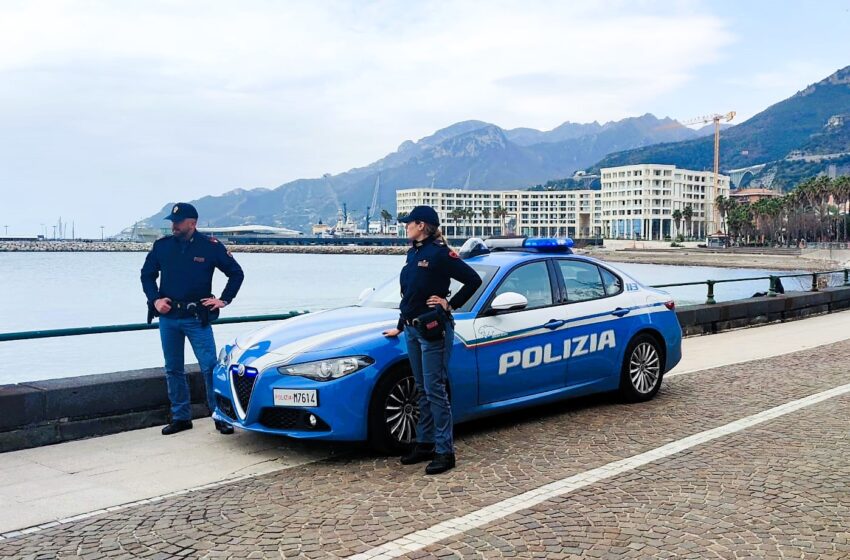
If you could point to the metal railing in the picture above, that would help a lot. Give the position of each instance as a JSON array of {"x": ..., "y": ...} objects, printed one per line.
[
  {"x": 76, "y": 331},
  {"x": 772, "y": 289}
]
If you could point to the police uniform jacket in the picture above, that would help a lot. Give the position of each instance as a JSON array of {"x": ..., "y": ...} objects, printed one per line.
[
  {"x": 430, "y": 267},
  {"x": 187, "y": 268}
]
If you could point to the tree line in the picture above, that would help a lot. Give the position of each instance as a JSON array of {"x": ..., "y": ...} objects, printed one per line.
[{"x": 815, "y": 210}]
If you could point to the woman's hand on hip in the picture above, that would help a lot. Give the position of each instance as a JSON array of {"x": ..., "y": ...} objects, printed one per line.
[
  {"x": 392, "y": 333},
  {"x": 437, "y": 300}
]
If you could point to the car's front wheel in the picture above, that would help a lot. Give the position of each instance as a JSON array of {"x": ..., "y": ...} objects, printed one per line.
[
  {"x": 393, "y": 413},
  {"x": 643, "y": 369}
]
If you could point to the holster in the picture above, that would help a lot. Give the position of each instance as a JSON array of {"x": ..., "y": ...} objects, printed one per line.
[
  {"x": 204, "y": 315},
  {"x": 152, "y": 312},
  {"x": 432, "y": 324}
]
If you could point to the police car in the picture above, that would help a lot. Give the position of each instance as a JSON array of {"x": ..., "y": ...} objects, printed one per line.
[{"x": 544, "y": 325}]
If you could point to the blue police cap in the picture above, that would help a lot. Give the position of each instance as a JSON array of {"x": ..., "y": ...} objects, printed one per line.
[
  {"x": 422, "y": 214},
  {"x": 182, "y": 211}
]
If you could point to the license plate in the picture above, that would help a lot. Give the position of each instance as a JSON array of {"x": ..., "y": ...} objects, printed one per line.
[{"x": 296, "y": 397}]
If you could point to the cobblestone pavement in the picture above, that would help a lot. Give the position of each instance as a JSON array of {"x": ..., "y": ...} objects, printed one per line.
[{"x": 777, "y": 487}]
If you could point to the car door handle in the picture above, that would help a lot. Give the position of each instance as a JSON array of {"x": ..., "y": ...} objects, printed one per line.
[
  {"x": 554, "y": 324},
  {"x": 620, "y": 312}
]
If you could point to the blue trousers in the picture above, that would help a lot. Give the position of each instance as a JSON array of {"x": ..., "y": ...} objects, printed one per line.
[
  {"x": 429, "y": 361},
  {"x": 173, "y": 334}
]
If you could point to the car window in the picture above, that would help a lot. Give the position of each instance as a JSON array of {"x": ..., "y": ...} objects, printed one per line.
[
  {"x": 532, "y": 281},
  {"x": 582, "y": 280},
  {"x": 613, "y": 284}
]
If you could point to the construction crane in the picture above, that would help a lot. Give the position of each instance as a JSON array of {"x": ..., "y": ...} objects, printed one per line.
[
  {"x": 373, "y": 208},
  {"x": 715, "y": 118}
]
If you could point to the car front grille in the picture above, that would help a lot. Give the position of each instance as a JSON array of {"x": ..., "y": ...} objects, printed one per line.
[
  {"x": 278, "y": 418},
  {"x": 225, "y": 405},
  {"x": 244, "y": 387}
]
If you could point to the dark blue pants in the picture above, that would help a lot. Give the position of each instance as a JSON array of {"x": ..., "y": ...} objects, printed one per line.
[
  {"x": 429, "y": 360},
  {"x": 173, "y": 334}
]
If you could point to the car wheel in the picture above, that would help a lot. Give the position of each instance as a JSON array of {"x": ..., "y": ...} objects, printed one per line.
[
  {"x": 394, "y": 413},
  {"x": 643, "y": 370}
]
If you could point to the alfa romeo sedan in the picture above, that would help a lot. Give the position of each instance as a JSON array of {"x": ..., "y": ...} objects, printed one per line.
[{"x": 545, "y": 325}]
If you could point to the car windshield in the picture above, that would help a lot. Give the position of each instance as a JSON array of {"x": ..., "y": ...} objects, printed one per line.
[{"x": 388, "y": 295}]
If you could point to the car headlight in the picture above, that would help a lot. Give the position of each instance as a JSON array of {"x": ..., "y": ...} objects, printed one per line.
[{"x": 325, "y": 370}]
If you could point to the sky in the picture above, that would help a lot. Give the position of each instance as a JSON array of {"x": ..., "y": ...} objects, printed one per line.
[{"x": 110, "y": 110}]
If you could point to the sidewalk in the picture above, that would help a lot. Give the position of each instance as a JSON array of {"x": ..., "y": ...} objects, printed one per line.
[{"x": 60, "y": 481}]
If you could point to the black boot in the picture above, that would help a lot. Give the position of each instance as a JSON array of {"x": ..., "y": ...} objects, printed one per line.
[
  {"x": 420, "y": 452},
  {"x": 223, "y": 427},
  {"x": 442, "y": 462},
  {"x": 177, "y": 426}
]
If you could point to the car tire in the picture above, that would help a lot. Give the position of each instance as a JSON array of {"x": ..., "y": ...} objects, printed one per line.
[
  {"x": 393, "y": 413},
  {"x": 643, "y": 369}
]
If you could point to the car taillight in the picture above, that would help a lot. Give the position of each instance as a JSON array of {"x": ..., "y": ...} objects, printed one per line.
[{"x": 671, "y": 305}]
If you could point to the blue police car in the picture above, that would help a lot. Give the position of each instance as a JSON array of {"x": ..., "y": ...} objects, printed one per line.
[{"x": 544, "y": 325}]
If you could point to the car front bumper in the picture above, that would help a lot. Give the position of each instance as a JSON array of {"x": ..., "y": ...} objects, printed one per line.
[{"x": 341, "y": 411}]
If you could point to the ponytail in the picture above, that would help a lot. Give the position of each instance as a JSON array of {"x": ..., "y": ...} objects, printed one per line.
[{"x": 437, "y": 234}]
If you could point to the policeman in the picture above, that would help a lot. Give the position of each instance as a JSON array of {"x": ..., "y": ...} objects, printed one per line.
[
  {"x": 425, "y": 279},
  {"x": 185, "y": 304}
]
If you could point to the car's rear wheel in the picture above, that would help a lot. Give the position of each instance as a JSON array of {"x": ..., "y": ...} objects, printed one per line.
[
  {"x": 393, "y": 413},
  {"x": 643, "y": 369}
]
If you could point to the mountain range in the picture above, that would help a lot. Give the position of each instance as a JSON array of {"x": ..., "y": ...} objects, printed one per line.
[
  {"x": 469, "y": 154},
  {"x": 800, "y": 136},
  {"x": 796, "y": 138}
]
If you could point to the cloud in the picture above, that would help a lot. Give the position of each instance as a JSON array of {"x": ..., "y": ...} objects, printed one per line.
[{"x": 159, "y": 101}]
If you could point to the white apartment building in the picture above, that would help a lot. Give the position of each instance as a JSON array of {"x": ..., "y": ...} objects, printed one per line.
[
  {"x": 575, "y": 214},
  {"x": 635, "y": 201},
  {"x": 638, "y": 201}
]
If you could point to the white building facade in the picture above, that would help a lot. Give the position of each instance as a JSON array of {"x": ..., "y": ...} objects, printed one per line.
[
  {"x": 635, "y": 201},
  {"x": 476, "y": 213},
  {"x": 638, "y": 201}
]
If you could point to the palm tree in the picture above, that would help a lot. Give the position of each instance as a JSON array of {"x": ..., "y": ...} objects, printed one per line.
[
  {"x": 485, "y": 213},
  {"x": 688, "y": 215},
  {"x": 500, "y": 213},
  {"x": 455, "y": 215},
  {"x": 386, "y": 217},
  {"x": 468, "y": 216},
  {"x": 677, "y": 219}
]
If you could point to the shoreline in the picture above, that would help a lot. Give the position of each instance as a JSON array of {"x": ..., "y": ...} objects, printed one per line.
[
  {"x": 718, "y": 260},
  {"x": 683, "y": 257}
]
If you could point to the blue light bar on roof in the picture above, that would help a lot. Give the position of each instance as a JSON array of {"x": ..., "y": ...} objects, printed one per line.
[{"x": 550, "y": 243}]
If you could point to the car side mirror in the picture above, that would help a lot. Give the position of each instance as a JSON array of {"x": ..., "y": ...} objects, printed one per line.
[
  {"x": 364, "y": 294},
  {"x": 509, "y": 301}
]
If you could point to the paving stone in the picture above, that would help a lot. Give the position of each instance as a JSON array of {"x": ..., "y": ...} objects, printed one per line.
[{"x": 681, "y": 505}]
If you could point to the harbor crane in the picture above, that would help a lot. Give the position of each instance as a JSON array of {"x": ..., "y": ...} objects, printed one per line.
[{"x": 373, "y": 207}]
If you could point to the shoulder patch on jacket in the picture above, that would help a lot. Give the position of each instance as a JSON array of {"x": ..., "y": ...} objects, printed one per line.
[
  {"x": 213, "y": 240},
  {"x": 454, "y": 255}
]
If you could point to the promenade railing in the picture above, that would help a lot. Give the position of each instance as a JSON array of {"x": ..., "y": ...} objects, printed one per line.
[
  {"x": 773, "y": 279},
  {"x": 709, "y": 300}
]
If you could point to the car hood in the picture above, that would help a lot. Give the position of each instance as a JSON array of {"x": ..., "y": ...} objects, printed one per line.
[{"x": 282, "y": 341}]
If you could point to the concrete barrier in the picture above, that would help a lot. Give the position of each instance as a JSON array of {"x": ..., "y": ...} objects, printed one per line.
[
  {"x": 709, "y": 319},
  {"x": 45, "y": 412}
]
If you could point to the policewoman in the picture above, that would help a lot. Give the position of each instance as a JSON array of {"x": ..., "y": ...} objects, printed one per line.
[
  {"x": 185, "y": 305},
  {"x": 429, "y": 329}
]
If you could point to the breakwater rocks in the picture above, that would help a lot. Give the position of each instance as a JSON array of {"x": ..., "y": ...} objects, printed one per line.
[
  {"x": 126, "y": 246},
  {"x": 72, "y": 246}
]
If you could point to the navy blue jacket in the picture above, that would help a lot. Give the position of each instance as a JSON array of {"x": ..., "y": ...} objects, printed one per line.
[
  {"x": 430, "y": 268},
  {"x": 187, "y": 269}
]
